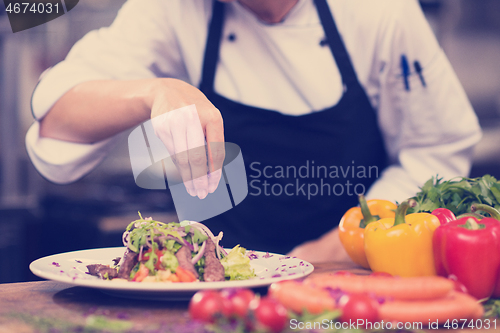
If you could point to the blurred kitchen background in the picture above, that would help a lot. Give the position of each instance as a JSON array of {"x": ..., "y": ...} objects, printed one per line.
[{"x": 38, "y": 218}]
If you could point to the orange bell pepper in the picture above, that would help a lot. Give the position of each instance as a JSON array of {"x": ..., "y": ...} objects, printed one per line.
[{"x": 352, "y": 224}]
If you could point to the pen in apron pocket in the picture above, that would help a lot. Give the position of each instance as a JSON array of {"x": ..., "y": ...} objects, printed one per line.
[
  {"x": 405, "y": 67},
  {"x": 420, "y": 73}
]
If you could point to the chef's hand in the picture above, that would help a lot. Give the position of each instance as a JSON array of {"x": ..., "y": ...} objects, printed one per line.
[
  {"x": 183, "y": 118},
  {"x": 325, "y": 248}
]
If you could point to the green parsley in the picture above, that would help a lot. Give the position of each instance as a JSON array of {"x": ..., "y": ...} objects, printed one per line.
[{"x": 457, "y": 194}]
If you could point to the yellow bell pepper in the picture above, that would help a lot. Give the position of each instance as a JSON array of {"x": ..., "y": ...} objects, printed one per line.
[
  {"x": 352, "y": 224},
  {"x": 402, "y": 246}
]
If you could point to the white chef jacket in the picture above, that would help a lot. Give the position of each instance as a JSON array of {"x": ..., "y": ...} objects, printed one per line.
[{"x": 429, "y": 130}]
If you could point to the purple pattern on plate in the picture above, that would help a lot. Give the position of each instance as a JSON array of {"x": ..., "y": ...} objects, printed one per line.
[{"x": 252, "y": 255}]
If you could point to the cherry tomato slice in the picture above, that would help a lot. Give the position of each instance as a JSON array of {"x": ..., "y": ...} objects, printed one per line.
[
  {"x": 141, "y": 274},
  {"x": 159, "y": 254}
]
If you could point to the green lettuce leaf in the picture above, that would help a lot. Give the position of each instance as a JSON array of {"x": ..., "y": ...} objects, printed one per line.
[{"x": 237, "y": 265}]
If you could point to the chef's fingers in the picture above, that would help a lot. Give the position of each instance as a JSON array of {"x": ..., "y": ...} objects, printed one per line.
[
  {"x": 216, "y": 156},
  {"x": 197, "y": 155},
  {"x": 214, "y": 180},
  {"x": 163, "y": 125},
  {"x": 216, "y": 150},
  {"x": 162, "y": 131},
  {"x": 181, "y": 156}
]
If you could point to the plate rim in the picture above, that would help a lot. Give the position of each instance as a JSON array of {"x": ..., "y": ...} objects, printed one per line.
[{"x": 158, "y": 287}]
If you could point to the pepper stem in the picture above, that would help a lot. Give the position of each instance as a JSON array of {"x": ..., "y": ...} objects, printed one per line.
[
  {"x": 476, "y": 215},
  {"x": 471, "y": 224},
  {"x": 494, "y": 213},
  {"x": 367, "y": 215},
  {"x": 401, "y": 211}
]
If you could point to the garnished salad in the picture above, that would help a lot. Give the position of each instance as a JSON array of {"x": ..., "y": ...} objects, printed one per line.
[{"x": 174, "y": 252}]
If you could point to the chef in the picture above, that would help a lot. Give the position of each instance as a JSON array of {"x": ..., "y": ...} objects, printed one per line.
[{"x": 327, "y": 99}]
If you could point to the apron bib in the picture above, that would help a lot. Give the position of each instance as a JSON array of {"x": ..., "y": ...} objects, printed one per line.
[{"x": 303, "y": 172}]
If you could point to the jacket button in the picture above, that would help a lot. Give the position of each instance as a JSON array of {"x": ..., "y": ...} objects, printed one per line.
[{"x": 231, "y": 37}]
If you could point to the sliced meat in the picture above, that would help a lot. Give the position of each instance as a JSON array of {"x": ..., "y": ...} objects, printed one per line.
[
  {"x": 129, "y": 261},
  {"x": 183, "y": 256},
  {"x": 102, "y": 271},
  {"x": 214, "y": 271}
]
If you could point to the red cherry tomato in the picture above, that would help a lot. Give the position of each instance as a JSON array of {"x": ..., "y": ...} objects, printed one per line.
[
  {"x": 227, "y": 307},
  {"x": 206, "y": 306},
  {"x": 269, "y": 314},
  {"x": 239, "y": 300},
  {"x": 343, "y": 273},
  {"x": 381, "y": 274},
  {"x": 358, "y": 307}
]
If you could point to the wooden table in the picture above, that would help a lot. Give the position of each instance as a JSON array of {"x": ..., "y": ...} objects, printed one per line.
[{"x": 48, "y": 306}]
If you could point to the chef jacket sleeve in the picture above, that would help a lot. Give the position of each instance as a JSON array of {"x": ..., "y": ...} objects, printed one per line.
[
  {"x": 139, "y": 44},
  {"x": 430, "y": 128}
]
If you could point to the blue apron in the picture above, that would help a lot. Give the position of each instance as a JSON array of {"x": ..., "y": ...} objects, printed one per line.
[{"x": 316, "y": 163}]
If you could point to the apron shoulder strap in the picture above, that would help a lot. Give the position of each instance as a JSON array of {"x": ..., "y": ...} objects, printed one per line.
[
  {"x": 335, "y": 43},
  {"x": 212, "y": 46}
]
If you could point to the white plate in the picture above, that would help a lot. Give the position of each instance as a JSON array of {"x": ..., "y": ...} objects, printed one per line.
[{"x": 71, "y": 268}]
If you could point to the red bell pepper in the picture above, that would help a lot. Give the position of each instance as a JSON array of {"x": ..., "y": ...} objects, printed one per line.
[
  {"x": 444, "y": 215},
  {"x": 469, "y": 249}
]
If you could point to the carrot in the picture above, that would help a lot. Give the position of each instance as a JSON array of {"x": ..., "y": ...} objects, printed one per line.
[
  {"x": 184, "y": 275},
  {"x": 173, "y": 278},
  {"x": 455, "y": 306},
  {"x": 296, "y": 296},
  {"x": 396, "y": 288}
]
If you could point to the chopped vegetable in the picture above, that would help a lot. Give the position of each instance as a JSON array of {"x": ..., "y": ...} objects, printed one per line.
[
  {"x": 184, "y": 275},
  {"x": 175, "y": 252},
  {"x": 237, "y": 265},
  {"x": 141, "y": 273},
  {"x": 169, "y": 261}
]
